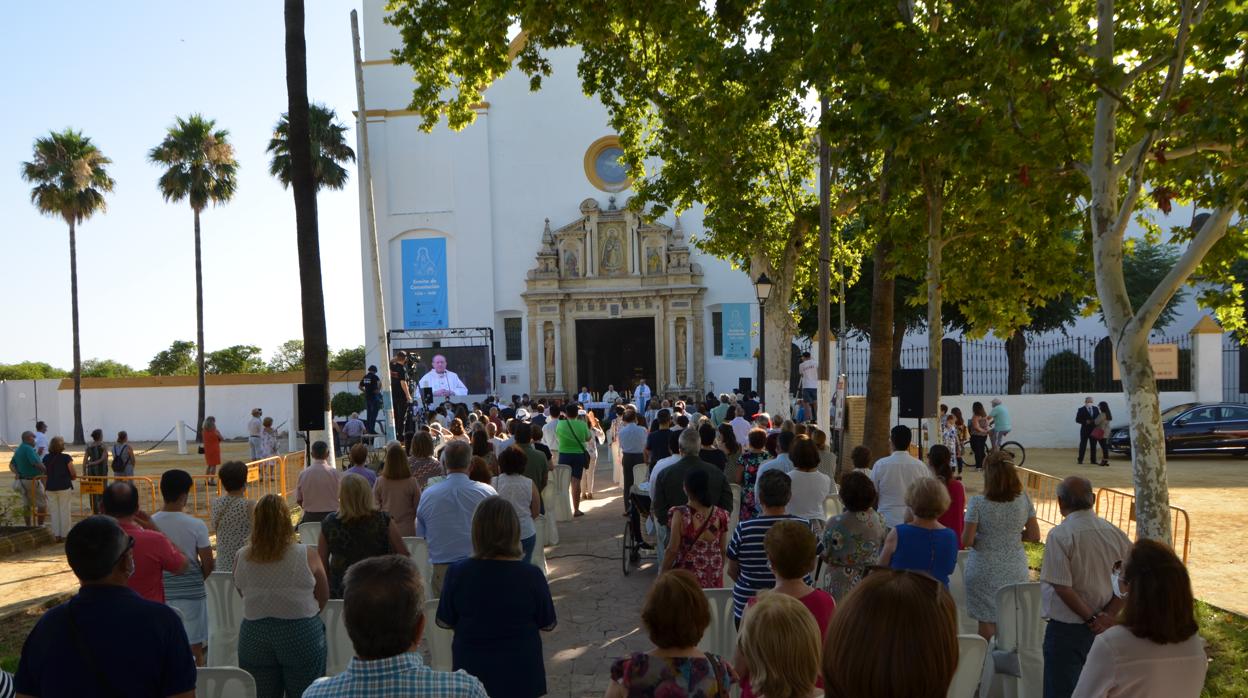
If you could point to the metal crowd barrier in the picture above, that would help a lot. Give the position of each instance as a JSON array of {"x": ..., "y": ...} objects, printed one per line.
[
  {"x": 1115, "y": 506},
  {"x": 273, "y": 475}
]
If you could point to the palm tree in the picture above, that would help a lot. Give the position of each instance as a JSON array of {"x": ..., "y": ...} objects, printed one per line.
[
  {"x": 200, "y": 166},
  {"x": 303, "y": 184},
  {"x": 70, "y": 181},
  {"x": 329, "y": 148}
]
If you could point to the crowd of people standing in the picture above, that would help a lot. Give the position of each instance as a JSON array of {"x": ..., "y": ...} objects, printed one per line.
[{"x": 821, "y": 602}]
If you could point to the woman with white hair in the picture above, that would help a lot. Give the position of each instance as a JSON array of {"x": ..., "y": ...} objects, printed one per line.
[{"x": 355, "y": 532}]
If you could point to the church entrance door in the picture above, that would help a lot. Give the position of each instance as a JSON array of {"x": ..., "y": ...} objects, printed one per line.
[{"x": 614, "y": 352}]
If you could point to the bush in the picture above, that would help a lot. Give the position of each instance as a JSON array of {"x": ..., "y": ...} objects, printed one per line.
[
  {"x": 345, "y": 403},
  {"x": 1066, "y": 372}
]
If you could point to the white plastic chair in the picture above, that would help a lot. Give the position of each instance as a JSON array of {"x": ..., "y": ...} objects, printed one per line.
[
  {"x": 972, "y": 650},
  {"x": 224, "y": 682},
  {"x": 720, "y": 636},
  {"x": 437, "y": 639},
  {"x": 309, "y": 532},
  {"x": 539, "y": 546},
  {"x": 418, "y": 548},
  {"x": 957, "y": 589},
  {"x": 337, "y": 641},
  {"x": 733, "y": 518},
  {"x": 225, "y": 616},
  {"x": 1020, "y": 630},
  {"x": 832, "y": 506},
  {"x": 563, "y": 493}
]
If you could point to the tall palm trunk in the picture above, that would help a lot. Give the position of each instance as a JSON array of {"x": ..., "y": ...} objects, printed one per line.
[
  {"x": 303, "y": 184},
  {"x": 79, "y": 438},
  {"x": 199, "y": 331},
  {"x": 880, "y": 369}
]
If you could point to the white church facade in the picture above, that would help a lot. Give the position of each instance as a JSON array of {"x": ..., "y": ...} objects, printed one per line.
[{"x": 519, "y": 224}]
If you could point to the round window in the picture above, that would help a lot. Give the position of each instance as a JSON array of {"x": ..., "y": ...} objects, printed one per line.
[{"x": 604, "y": 165}]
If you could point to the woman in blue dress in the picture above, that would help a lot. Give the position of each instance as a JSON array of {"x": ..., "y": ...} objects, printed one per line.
[
  {"x": 923, "y": 545},
  {"x": 497, "y": 604}
]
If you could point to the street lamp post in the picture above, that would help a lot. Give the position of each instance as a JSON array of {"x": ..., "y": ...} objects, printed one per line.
[{"x": 762, "y": 289}]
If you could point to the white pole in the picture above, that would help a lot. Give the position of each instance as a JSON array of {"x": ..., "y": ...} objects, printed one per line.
[
  {"x": 370, "y": 215},
  {"x": 181, "y": 429}
]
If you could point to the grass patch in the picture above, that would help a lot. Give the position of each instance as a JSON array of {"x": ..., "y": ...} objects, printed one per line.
[{"x": 1227, "y": 635}]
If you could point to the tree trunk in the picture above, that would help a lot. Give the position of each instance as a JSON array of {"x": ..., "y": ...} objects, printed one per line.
[
  {"x": 303, "y": 184},
  {"x": 199, "y": 334},
  {"x": 1148, "y": 452},
  {"x": 933, "y": 186},
  {"x": 79, "y": 437},
  {"x": 1016, "y": 362},
  {"x": 880, "y": 367}
]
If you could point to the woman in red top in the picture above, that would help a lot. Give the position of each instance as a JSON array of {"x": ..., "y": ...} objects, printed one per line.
[
  {"x": 211, "y": 439},
  {"x": 791, "y": 550},
  {"x": 940, "y": 459}
]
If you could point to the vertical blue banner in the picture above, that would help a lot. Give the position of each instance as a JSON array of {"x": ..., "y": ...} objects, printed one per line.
[
  {"x": 736, "y": 329},
  {"x": 424, "y": 284}
]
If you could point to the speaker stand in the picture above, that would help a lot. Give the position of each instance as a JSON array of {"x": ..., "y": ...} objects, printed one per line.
[{"x": 920, "y": 430}]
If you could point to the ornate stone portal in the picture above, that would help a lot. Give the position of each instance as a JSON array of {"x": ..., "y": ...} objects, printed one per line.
[{"x": 611, "y": 264}]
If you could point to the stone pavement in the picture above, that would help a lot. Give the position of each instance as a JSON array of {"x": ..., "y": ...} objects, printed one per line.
[{"x": 599, "y": 609}]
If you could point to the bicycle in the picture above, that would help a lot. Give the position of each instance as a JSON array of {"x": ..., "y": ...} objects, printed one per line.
[{"x": 1015, "y": 449}]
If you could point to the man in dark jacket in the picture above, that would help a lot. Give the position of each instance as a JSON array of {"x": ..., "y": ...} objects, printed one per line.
[
  {"x": 669, "y": 488},
  {"x": 1086, "y": 418}
]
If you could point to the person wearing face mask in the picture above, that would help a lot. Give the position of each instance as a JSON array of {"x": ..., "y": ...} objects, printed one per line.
[
  {"x": 1086, "y": 418},
  {"x": 90, "y": 645}
]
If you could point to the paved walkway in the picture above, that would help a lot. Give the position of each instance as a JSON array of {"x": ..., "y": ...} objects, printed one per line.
[{"x": 599, "y": 609}]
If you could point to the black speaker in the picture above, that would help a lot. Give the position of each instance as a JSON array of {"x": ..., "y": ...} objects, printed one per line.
[
  {"x": 744, "y": 385},
  {"x": 916, "y": 392},
  {"x": 310, "y": 406}
]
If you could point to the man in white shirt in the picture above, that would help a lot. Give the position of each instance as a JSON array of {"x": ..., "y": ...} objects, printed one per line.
[
  {"x": 354, "y": 429},
  {"x": 41, "y": 438},
  {"x": 784, "y": 441},
  {"x": 443, "y": 382},
  {"x": 894, "y": 474},
  {"x": 254, "y": 427},
  {"x": 809, "y": 370},
  {"x": 610, "y": 396},
  {"x": 584, "y": 397},
  {"x": 186, "y": 591},
  {"x": 1081, "y": 556},
  {"x": 673, "y": 443},
  {"x": 641, "y": 396}
]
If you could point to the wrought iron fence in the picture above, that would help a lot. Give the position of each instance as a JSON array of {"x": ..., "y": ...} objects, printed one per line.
[
  {"x": 1056, "y": 365},
  {"x": 1234, "y": 370}
]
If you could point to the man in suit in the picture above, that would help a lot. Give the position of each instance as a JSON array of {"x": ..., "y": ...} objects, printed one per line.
[{"x": 1086, "y": 418}]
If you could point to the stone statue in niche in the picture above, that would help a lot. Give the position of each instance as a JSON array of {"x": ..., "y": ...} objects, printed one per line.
[
  {"x": 612, "y": 253},
  {"x": 681, "y": 368},
  {"x": 654, "y": 263},
  {"x": 548, "y": 341},
  {"x": 571, "y": 264}
]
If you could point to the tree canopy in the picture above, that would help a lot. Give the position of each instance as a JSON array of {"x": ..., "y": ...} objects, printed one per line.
[
  {"x": 30, "y": 370},
  {"x": 288, "y": 356},
  {"x": 329, "y": 148},
  {"x": 240, "y": 358},
  {"x": 177, "y": 360}
]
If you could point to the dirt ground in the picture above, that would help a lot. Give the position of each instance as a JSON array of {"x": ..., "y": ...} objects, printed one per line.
[{"x": 1211, "y": 489}]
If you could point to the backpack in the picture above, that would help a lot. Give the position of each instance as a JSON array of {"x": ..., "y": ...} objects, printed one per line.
[{"x": 121, "y": 459}]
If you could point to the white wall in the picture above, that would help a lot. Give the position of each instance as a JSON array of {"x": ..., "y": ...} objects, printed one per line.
[
  {"x": 148, "y": 413},
  {"x": 1048, "y": 421}
]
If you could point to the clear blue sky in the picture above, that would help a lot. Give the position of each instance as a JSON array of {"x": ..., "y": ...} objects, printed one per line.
[{"x": 121, "y": 72}]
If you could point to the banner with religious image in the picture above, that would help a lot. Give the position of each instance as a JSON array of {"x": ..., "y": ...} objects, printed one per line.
[
  {"x": 736, "y": 330},
  {"x": 424, "y": 284}
]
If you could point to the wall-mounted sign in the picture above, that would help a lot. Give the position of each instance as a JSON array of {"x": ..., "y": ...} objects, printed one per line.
[
  {"x": 424, "y": 284},
  {"x": 1165, "y": 360}
]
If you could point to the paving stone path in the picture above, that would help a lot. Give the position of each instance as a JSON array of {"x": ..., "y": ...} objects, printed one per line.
[{"x": 599, "y": 609}]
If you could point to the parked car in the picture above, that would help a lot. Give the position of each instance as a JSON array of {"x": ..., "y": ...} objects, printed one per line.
[{"x": 1193, "y": 427}]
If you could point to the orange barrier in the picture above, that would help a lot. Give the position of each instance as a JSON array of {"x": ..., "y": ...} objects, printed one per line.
[
  {"x": 1042, "y": 489},
  {"x": 87, "y": 485},
  {"x": 1115, "y": 506},
  {"x": 1118, "y": 508}
]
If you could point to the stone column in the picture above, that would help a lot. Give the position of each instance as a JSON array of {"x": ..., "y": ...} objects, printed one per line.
[
  {"x": 558, "y": 357},
  {"x": 1207, "y": 360},
  {"x": 689, "y": 378},
  {"x": 671, "y": 351},
  {"x": 537, "y": 347}
]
